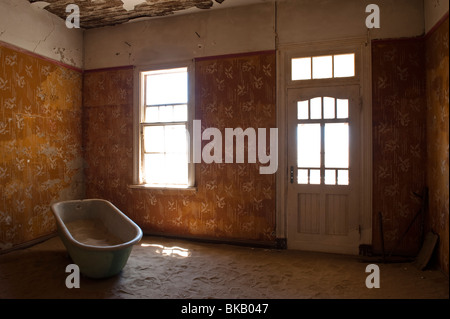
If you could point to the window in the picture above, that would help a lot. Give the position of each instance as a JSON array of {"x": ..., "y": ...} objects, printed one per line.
[
  {"x": 323, "y": 67},
  {"x": 164, "y": 128},
  {"x": 323, "y": 141}
]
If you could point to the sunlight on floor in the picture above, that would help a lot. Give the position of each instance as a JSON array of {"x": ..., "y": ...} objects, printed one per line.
[{"x": 169, "y": 251}]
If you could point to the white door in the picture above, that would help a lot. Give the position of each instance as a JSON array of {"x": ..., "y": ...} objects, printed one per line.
[{"x": 323, "y": 200}]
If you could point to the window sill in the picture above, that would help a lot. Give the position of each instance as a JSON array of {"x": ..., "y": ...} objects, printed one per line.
[{"x": 164, "y": 189}]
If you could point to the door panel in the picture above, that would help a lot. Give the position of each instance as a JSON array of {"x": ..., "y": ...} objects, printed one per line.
[{"x": 324, "y": 182}]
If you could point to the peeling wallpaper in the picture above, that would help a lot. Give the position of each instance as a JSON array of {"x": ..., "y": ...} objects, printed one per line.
[
  {"x": 40, "y": 143},
  {"x": 233, "y": 201},
  {"x": 437, "y": 81},
  {"x": 399, "y": 142}
]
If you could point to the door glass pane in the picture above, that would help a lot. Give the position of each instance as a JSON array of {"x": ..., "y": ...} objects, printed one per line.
[
  {"x": 342, "y": 109},
  {"x": 308, "y": 145},
  {"x": 154, "y": 139},
  {"x": 328, "y": 108},
  {"x": 302, "y": 110},
  {"x": 336, "y": 145},
  {"x": 344, "y": 65},
  {"x": 302, "y": 176},
  {"x": 330, "y": 177},
  {"x": 314, "y": 176},
  {"x": 316, "y": 108},
  {"x": 343, "y": 177},
  {"x": 301, "y": 69},
  {"x": 323, "y": 67}
]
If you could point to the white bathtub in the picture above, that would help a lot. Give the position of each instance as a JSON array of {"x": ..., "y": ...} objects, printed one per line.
[{"x": 96, "y": 261}]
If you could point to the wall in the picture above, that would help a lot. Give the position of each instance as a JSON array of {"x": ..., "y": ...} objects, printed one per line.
[
  {"x": 40, "y": 120},
  {"x": 410, "y": 129},
  {"x": 40, "y": 143},
  {"x": 233, "y": 201},
  {"x": 183, "y": 37},
  {"x": 36, "y": 30},
  {"x": 302, "y": 21},
  {"x": 434, "y": 10},
  {"x": 399, "y": 142},
  {"x": 437, "y": 86},
  {"x": 246, "y": 29}
]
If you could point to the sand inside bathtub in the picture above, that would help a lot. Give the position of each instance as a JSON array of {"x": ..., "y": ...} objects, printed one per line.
[{"x": 92, "y": 232}]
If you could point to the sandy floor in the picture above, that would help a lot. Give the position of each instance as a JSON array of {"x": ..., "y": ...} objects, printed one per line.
[{"x": 156, "y": 270}]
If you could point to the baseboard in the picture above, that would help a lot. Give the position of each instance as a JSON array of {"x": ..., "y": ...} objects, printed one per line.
[{"x": 28, "y": 243}]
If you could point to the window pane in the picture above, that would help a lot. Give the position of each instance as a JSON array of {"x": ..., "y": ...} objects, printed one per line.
[
  {"x": 342, "y": 109},
  {"x": 314, "y": 176},
  {"x": 154, "y": 169},
  {"x": 151, "y": 114},
  {"x": 301, "y": 69},
  {"x": 302, "y": 110},
  {"x": 344, "y": 65},
  {"x": 154, "y": 139},
  {"x": 316, "y": 108},
  {"x": 166, "y": 169},
  {"x": 177, "y": 169},
  {"x": 180, "y": 113},
  {"x": 308, "y": 145},
  {"x": 302, "y": 176},
  {"x": 328, "y": 108},
  {"x": 343, "y": 177},
  {"x": 167, "y": 87},
  {"x": 330, "y": 177},
  {"x": 323, "y": 67},
  {"x": 175, "y": 139},
  {"x": 166, "y": 113},
  {"x": 336, "y": 145}
]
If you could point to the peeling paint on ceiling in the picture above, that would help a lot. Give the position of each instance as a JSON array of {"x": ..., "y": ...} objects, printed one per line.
[{"x": 100, "y": 13}]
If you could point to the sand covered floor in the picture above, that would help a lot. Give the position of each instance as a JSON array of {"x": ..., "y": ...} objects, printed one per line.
[{"x": 161, "y": 268}]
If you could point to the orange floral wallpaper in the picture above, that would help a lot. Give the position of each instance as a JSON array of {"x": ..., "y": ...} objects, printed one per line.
[
  {"x": 399, "y": 141},
  {"x": 437, "y": 137},
  {"x": 233, "y": 201},
  {"x": 40, "y": 143}
]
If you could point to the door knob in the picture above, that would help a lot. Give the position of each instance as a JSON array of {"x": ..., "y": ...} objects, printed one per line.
[{"x": 292, "y": 175}]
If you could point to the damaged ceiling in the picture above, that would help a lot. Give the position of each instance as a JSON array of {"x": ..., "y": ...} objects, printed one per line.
[{"x": 100, "y": 13}]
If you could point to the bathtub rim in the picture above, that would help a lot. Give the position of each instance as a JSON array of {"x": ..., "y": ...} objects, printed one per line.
[{"x": 62, "y": 227}]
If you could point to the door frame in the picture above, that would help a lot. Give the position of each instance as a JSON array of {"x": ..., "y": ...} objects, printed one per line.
[{"x": 362, "y": 47}]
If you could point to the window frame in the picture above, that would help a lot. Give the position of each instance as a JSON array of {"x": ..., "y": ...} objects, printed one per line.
[
  {"x": 139, "y": 123},
  {"x": 320, "y": 51}
]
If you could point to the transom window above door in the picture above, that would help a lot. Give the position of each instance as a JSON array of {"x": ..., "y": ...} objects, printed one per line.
[{"x": 323, "y": 67}]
